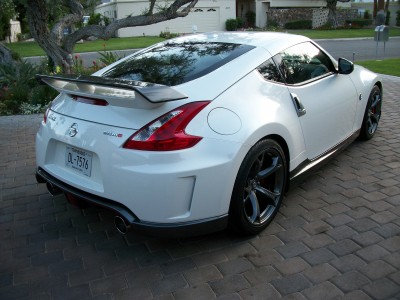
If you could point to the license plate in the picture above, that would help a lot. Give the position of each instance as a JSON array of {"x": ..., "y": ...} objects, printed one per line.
[{"x": 79, "y": 160}]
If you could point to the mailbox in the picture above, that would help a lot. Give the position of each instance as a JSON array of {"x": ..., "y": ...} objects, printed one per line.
[{"x": 381, "y": 33}]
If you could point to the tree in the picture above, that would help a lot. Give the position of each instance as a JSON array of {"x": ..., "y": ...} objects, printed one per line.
[
  {"x": 331, "y": 4},
  {"x": 59, "y": 47}
]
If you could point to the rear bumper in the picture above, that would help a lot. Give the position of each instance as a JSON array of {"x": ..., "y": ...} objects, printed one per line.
[{"x": 181, "y": 229}]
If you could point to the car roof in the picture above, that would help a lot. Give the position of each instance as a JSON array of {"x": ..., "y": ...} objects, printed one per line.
[{"x": 274, "y": 42}]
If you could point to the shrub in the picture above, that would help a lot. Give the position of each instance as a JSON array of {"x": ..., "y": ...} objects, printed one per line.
[
  {"x": 19, "y": 90},
  {"x": 239, "y": 22},
  {"x": 28, "y": 109},
  {"x": 40, "y": 96},
  {"x": 300, "y": 24},
  {"x": 272, "y": 24},
  {"x": 78, "y": 67},
  {"x": 231, "y": 24},
  {"x": 358, "y": 23},
  {"x": 326, "y": 26},
  {"x": 367, "y": 15},
  {"x": 167, "y": 35},
  {"x": 108, "y": 57}
]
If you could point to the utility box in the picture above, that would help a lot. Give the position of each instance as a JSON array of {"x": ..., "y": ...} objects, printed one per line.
[{"x": 381, "y": 33}]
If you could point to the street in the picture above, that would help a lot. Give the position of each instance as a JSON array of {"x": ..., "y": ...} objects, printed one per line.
[{"x": 363, "y": 49}]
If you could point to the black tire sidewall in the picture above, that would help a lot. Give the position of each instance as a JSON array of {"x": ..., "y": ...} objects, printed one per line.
[
  {"x": 237, "y": 218},
  {"x": 364, "y": 134}
]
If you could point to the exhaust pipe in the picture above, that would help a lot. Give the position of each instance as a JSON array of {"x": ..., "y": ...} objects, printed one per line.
[
  {"x": 53, "y": 190},
  {"x": 120, "y": 224}
]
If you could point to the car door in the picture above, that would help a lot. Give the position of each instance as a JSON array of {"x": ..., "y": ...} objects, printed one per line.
[{"x": 325, "y": 101}]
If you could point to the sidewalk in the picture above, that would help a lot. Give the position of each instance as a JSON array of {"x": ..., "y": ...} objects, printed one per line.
[{"x": 337, "y": 235}]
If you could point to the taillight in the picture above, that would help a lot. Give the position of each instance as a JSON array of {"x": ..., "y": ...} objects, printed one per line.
[
  {"x": 46, "y": 114},
  {"x": 167, "y": 133},
  {"x": 87, "y": 100}
]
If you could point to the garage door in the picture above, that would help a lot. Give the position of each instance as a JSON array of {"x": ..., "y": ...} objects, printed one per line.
[{"x": 205, "y": 18}]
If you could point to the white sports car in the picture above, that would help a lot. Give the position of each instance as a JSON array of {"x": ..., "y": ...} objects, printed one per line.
[{"x": 202, "y": 132}]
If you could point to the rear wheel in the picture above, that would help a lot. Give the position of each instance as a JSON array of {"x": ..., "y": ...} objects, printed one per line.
[
  {"x": 259, "y": 188},
  {"x": 372, "y": 114}
]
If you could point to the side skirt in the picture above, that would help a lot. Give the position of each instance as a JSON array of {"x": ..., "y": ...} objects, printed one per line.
[{"x": 308, "y": 166}]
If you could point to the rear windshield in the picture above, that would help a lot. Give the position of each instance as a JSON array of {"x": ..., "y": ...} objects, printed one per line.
[{"x": 176, "y": 63}]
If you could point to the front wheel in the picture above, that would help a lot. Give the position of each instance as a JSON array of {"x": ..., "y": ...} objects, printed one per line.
[
  {"x": 259, "y": 188},
  {"x": 372, "y": 114}
]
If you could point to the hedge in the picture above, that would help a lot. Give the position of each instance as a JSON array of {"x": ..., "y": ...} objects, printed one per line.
[{"x": 300, "y": 24}]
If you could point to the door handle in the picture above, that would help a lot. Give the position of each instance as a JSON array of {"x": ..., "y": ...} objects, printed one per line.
[{"x": 301, "y": 111}]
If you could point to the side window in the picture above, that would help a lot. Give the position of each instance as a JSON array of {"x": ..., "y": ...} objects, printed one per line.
[
  {"x": 270, "y": 72},
  {"x": 303, "y": 62}
]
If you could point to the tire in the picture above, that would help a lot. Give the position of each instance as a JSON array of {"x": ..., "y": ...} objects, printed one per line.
[
  {"x": 259, "y": 188},
  {"x": 372, "y": 114}
]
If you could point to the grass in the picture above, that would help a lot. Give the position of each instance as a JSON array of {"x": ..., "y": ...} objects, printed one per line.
[
  {"x": 342, "y": 33},
  {"x": 388, "y": 66},
  {"x": 26, "y": 49}
]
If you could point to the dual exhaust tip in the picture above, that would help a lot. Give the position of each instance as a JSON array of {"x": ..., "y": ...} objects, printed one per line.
[
  {"x": 121, "y": 225},
  {"x": 119, "y": 222},
  {"x": 53, "y": 190}
]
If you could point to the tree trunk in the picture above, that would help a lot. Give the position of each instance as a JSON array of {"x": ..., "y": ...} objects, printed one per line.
[
  {"x": 381, "y": 5},
  {"x": 375, "y": 9},
  {"x": 380, "y": 14},
  {"x": 37, "y": 20},
  {"x": 387, "y": 6},
  {"x": 331, "y": 4}
]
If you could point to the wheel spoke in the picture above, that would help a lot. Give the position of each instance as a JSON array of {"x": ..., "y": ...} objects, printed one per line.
[
  {"x": 252, "y": 199},
  {"x": 260, "y": 162},
  {"x": 374, "y": 117},
  {"x": 270, "y": 195},
  {"x": 376, "y": 101},
  {"x": 275, "y": 166}
]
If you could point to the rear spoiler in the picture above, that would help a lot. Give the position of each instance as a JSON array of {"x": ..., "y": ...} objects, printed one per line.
[{"x": 111, "y": 89}]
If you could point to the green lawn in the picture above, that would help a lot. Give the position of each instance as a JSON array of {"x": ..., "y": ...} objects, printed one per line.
[
  {"x": 32, "y": 49},
  {"x": 342, "y": 33},
  {"x": 26, "y": 49},
  {"x": 388, "y": 66}
]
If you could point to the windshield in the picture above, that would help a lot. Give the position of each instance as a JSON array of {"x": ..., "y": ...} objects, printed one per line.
[{"x": 174, "y": 63}]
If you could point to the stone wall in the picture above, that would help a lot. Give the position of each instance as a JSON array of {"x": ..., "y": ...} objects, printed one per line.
[
  {"x": 319, "y": 16},
  {"x": 281, "y": 16}
]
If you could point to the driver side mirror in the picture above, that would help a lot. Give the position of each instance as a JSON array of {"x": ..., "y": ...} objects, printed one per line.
[{"x": 345, "y": 66}]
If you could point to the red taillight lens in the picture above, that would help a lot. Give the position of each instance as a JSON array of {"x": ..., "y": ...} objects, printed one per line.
[
  {"x": 167, "y": 133},
  {"x": 87, "y": 100},
  {"x": 45, "y": 115}
]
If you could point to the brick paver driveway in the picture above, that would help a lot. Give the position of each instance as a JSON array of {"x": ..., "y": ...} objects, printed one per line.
[{"x": 337, "y": 235}]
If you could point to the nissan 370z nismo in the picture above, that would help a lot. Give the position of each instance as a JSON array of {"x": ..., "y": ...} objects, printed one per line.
[{"x": 202, "y": 132}]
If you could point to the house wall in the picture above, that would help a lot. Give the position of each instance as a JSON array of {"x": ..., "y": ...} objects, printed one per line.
[
  {"x": 318, "y": 16},
  {"x": 263, "y": 7},
  {"x": 207, "y": 15},
  {"x": 15, "y": 29}
]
